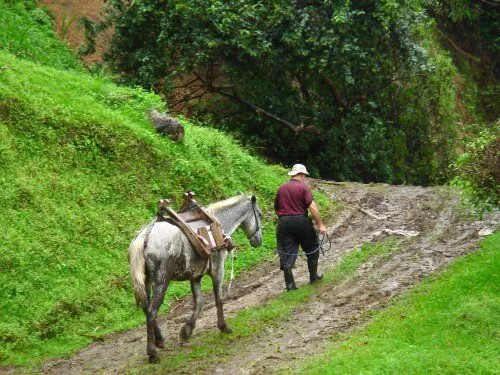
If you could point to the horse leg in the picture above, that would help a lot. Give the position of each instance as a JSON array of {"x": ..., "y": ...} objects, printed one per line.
[
  {"x": 217, "y": 283},
  {"x": 187, "y": 329},
  {"x": 152, "y": 326},
  {"x": 159, "y": 340}
]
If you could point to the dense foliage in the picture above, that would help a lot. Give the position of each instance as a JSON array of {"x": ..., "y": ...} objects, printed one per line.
[
  {"x": 475, "y": 25},
  {"x": 356, "y": 89},
  {"x": 478, "y": 169},
  {"x": 470, "y": 30}
]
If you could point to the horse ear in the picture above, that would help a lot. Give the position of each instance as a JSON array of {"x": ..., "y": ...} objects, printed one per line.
[{"x": 254, "y": 199}]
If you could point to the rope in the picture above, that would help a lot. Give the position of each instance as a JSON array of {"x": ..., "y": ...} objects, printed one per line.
[
  {"x": 231, "y": 278},
  {"x": 322, "y": 245}
]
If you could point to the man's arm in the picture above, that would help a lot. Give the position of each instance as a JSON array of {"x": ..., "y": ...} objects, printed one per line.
[
  {"x": 276, "y": 204},
  {"x": 313, "y": 208}
]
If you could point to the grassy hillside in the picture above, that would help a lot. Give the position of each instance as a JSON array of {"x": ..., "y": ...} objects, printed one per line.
[
  {"x": 81, "y": 170},
  {"x": 446, "y": 325}
]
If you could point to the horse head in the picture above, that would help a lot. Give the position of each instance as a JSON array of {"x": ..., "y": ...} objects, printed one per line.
[{"x": 251, "y": 225}]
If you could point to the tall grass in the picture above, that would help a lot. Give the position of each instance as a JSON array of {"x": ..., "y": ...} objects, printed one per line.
[{"x": 446, "y": 325}]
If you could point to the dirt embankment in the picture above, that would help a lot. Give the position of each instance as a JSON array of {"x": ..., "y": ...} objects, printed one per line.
[
  {"x": 67, "y": 14},
  {"x": 433, "y": 228}
]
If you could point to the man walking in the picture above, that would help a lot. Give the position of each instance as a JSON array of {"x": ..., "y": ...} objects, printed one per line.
[{"x": 291, "y": 203}]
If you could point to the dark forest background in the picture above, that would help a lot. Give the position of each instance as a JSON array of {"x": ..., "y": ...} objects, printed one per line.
[{"x": 364, "y": 90}]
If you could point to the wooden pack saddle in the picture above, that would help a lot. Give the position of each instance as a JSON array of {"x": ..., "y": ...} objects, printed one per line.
[{"x": 201, "y": 228}]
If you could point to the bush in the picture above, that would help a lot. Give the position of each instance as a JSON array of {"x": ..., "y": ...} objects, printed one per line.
[{"x": 478, "y": 169}]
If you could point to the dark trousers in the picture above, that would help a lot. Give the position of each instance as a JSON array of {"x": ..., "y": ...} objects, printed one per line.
[{"x": 291, "y": 232}]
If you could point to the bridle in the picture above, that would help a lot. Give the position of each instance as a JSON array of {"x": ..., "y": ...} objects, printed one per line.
[{"x": 256, "y": 220}]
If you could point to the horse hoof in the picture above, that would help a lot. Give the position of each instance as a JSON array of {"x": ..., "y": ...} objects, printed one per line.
[
  {"x": 226, "y": 329},
  {"x": 186, "y": 332},
  {"x": 154, "y": 358},
  {"x": 160, "y": 344}
]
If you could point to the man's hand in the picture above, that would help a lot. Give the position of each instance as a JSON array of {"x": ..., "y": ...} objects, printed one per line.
[
  {"x": 322, "y": 229},
  {"x": 317, "y": 218}
]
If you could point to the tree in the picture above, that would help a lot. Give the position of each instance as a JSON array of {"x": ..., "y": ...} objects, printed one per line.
[{"x": 345, "y": 86}]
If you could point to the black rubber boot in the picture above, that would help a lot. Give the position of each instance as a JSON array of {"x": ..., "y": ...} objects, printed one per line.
[
  {"x": 289, "y": 281},
  {"x": 312, "y": 265}
]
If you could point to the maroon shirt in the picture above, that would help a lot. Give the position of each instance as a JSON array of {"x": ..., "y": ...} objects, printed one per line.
[{"x": 292, "y": 198}]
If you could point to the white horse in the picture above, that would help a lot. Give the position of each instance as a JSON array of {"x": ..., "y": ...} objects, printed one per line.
[{"x": 169, "y": 255}]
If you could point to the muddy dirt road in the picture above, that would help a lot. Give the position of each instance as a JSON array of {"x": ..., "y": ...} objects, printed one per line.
[{"x": 433, "y": 230}]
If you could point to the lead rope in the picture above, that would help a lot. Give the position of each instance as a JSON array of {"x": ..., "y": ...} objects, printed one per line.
[
  {"x": 231, "y": 278},
  {"x": 323, "y": 243}
]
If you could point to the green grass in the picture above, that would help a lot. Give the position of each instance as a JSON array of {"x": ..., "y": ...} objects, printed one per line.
[
  {"x": 26, "y": 31},
  {"x": 248, "y": 323},
  {"x": 446, "y": 325}
]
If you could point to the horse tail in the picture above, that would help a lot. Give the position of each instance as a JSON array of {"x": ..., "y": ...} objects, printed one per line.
[{"x": 138, "y": 269}]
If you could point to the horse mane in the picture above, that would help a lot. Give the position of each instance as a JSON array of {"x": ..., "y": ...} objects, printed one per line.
[{"x": 226, "y": 203}]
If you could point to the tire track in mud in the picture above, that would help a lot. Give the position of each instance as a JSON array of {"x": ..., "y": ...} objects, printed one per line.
[{"x": 372, "y": 213}]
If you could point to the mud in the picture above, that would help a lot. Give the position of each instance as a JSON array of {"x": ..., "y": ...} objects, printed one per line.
[
  {"x": 433, "y": 229},
  {"x": 67, "y": 15}
]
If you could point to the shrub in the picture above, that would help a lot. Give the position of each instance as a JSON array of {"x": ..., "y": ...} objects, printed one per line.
[{"x": 478, "y": 169}]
